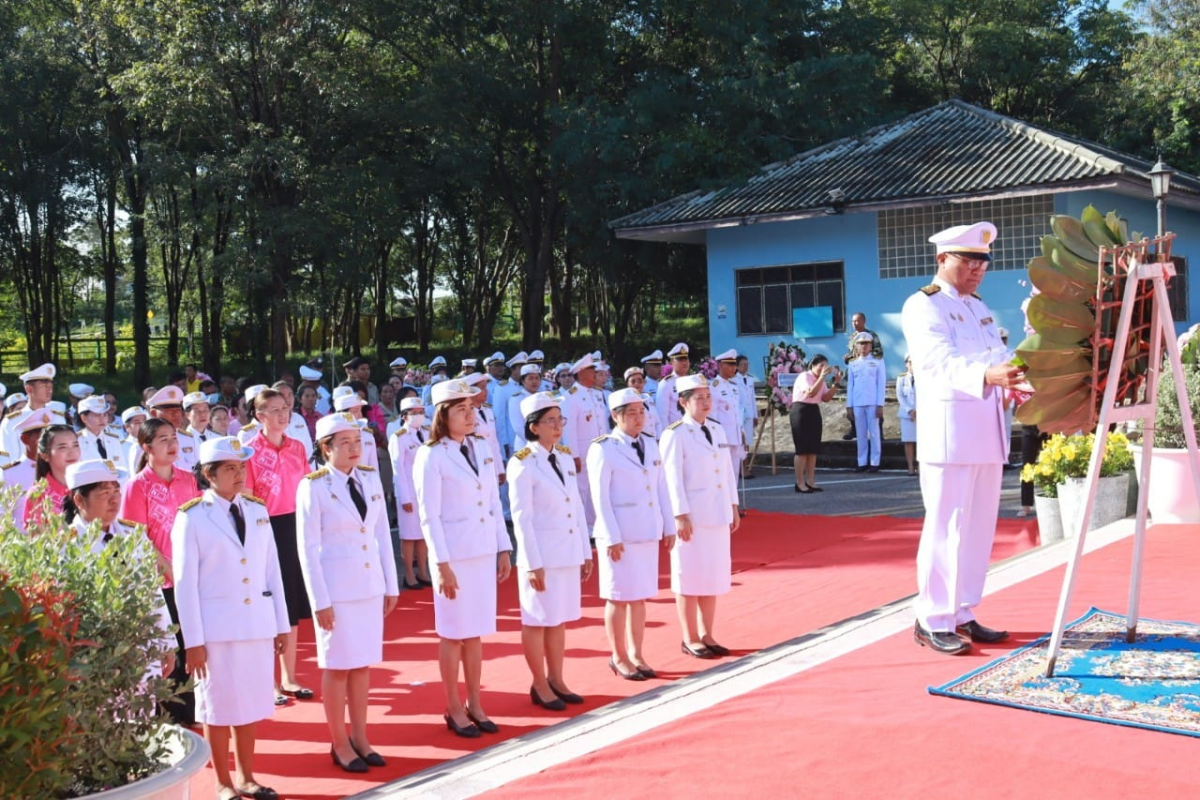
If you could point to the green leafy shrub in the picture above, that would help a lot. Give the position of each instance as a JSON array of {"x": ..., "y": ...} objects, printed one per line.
[
  {"x": 113, "y": 681},
  {"x": 1169, "y": 422}
]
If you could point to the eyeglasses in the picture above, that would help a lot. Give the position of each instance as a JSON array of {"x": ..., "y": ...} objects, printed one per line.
[
  {"x": 553, "y": 421},
  {"x": 973, "y": 264}
]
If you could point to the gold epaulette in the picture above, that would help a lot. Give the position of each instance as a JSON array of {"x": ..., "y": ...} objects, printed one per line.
[
  {"x": 976, "y": 295},
  {"x": 599, "y": 439},
  {"x": 57, "y": 413},
  {"x": 400, "y": 430},
  {"x": 574, "y": 389},
  {"x": 562, "y": 448},
  {"x": 14, "y": 414},
  {"x": 253, "y": 499},
  {"x": 522, "y": 454},
  {"x": 109, "y": 433},
  {"x": 932, "y": 288},
  {"x": 128, "y": 523},
  {"x": 195, "y": 501},
  {"x": 11, "y": 464},
  {"x": 674, "y": 424},
  {"x": 487, "y": 405},
  {"x": 430, "y": 443},
  {"x": 322, "y": 472},
  {"x": 504, "y": 382},
  {"x": 366, "y": 467},
  {"x": 477, "y": 436}
]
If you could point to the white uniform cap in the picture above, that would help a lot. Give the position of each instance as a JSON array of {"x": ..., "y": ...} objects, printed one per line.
[
  {"x": 309, "y": 374},
  {"x": 409, "y": 403},
  {"x": 80, "y": 390},
  {"x": 530, "y": 369},
  {"x": 495, "y": 358},
  {"x": 582, "y": 364},
  {"x": 629, "y": 373},
  {"x": 3, "y": 390},
  {"x": 31, "y": 420},
  {"x": 975, "y": 240},
  {"x": 679, "y": 350},
  {"x": 654, "y": 358},
  {"x": 131, "y": 412},
  {"x": 470, "y": 362},
  {"x": 224, "y": 448},
  {"x": 476, "y": 378},
  {"x": 537, "y": 356},
  {"x": 94, "y": 404},
  {"x": 436, "y": 379},
  {"x": 166, "y": 396},
  {"x": 45, "y": 372},
  {"x": 331, "y": 424},
  {"x": 729, "y": 355},
  {"x": 563, "y": 367},
  {"x": 94, "y": 470},
  {"x": 863, "y": 337},
  {"x": 398, "y": 361},
  {"x": 520, "y": 358},
  {"x": 348, "y": 401},
  {"x": 447, "y": 391},
  {"x": 14, "y": 398},
  {"x": 343, "y": 391},
  {"x": 253, "y": 391},
  {"x": 537, "y": 401},
  {"x": 438, "y": 361},
  {"x": 57, "y": 407},
  {"x": 623, "y": 397},
  {"x": 686, "y": 383},
  {"x": 597, "y": 357},
  {"x": 191, "y": 399}
]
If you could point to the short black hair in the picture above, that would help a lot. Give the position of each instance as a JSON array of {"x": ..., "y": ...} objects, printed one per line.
[{"x": 532, "y": 420}]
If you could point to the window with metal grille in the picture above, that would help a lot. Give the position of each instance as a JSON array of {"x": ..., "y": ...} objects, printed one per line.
[
  {"x": 766, "y": 296},
  {"x": 905, "y": 251}
]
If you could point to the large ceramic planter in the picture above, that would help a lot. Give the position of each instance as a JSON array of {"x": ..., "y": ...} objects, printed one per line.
[
  {"x": 1112, "y": 500},
  {"x": 183, "y": 776},
  {"x": 1049, "y": 519},
  {"x": 1170, "y": 497}
]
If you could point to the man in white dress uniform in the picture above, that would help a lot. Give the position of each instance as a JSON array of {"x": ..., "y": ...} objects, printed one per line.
[
  {"x": 587, "y": 417},
  {"x": 727, "y": 408},
  {"x": 866, "y": 384},
  {"x": 652, "y": 368},
  {"x": 958, "y": 357},
  {"x": 666, "y": 397}
]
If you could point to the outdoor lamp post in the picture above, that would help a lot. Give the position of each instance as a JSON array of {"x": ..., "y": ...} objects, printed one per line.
[{"x": 1160, "y": 186}]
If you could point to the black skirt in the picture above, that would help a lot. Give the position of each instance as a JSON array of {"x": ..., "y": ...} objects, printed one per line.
[
  {"x": 294, "y": 593},
  {"x": 807, "y": 428}
]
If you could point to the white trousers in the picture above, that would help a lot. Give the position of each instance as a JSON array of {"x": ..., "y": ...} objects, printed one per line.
[
  {"x": 961, "y": 505},
  {"x": 869, "y": 433}
]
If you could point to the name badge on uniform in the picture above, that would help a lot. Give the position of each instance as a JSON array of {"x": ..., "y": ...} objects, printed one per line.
[
  {"x": 376, "y": 496},
  {"x": 267, "y": 594},
  {"x": 985, "y": 321},
  {"x": 487, "y": 461},
  {"x": 187, "y": 449},
  {"x": 262, "y": 521},
  {"x": 657, "y": 463}
]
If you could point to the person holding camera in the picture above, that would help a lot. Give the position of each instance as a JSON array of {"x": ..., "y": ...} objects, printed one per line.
[{"x": 814, "y": 386}]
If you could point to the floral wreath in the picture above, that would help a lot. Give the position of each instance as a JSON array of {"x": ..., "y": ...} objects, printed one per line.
[{"x": 782, "y": 359}]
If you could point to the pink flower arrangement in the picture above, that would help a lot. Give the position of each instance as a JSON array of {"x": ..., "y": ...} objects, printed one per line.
[
  {"x": 415, "y": 376},
  {"x": 666, "y": 370},
  {"x": 708, "y": 368},
  {"x": 783, "y": 359}
]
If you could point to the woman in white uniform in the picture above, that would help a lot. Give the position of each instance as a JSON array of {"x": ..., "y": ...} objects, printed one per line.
[
  {"x": 633, "y": 516},
  {"x": 232, "y": 613},
  {"x": 703, "y": 493},
  {"x": 553, "y": 550},
  {"x": 458, "y": 501},
  {"x": 906, "y": 396},
  {"x": 402, "y": 447},
  {"x": 635, "y": 378},
  {"x": 350, "y": 576}
]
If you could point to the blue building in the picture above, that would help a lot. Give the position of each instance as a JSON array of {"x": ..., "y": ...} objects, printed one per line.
[{"x": 846, "y": 225}]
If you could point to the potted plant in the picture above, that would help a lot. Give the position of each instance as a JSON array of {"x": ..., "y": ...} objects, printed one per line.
[
  {"x": 1046, "y": 474},
  {"x": 1059, "y": 478},
  {"x": 81, "y": 680},
  {"x": 1170, "y": 495}
]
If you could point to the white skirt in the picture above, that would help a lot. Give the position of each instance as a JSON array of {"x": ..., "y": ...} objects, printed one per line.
[
  {"x": 634, "y": 577},
  {"x": 560, "y": 602},
  {"x": 472, "y": 612},
  {"x": 408, "y": 523},
  {"x": 357, "y": 636},
  {"x": 240, "y": 686},
  {"x": 702, "y": 566},
  {"x": 908, "y": 430}
]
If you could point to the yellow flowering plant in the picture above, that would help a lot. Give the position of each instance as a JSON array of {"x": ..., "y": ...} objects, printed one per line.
[{"x": 1065, "y": 457}]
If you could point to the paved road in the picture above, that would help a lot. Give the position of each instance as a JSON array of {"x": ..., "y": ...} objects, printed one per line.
[{"x": 849, "y": 493}]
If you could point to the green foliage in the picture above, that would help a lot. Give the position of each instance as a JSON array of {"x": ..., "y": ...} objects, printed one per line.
[
  {"x": 1168, "y": 431},
  {"x": 113, "y": 600}
]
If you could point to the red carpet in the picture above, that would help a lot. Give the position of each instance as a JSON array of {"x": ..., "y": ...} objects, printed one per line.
[
  {"x": 793, "y": 574},
  {"x": 864, "y": 726}
]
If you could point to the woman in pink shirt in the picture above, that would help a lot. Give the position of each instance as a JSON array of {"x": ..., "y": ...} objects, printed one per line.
[
  {"x": 57, "y": 449},
  {"x": 274, "y": 471},
  {"x": 152, "y": 497}
]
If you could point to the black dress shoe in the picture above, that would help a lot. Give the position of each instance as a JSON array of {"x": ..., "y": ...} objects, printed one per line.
[
  {"x": 716, "y": 649},
  {"x": 872, "y": 469},
  {"x": 699, "y": 652},
  {"x": 636, "y": 675},
  {"x": 485, "y": 725},
  {"x": 465, "y": 731},
  {"x": 566, "y": 697},
  {"x": 373, "y": 759},
  {"x": 860, "y": 469},
  {"x": 299, "y": 694},
  {"x": 355, "y": 765},
  {"x": 417, "y": 585},
  {"x": 812, "y": 488},
  {"x": 802, "y": 491},
  {"x": 549, "y": 705},
  {"x": 849, "y": 437},
  {"x": 647, "y": 673},
  {"x": 979, "y": 633},
  {"x": 940, "y": 641},
  {"x": 258, "y": 792}
]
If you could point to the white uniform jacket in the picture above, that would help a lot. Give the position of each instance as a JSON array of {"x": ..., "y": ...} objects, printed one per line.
[
  {"x": 547, "y": 513},
  {"x": 667, "y": 400},
  {"x": 226, "y": 591},
  {"x": 516, "y": 420},
  {"x": 343, "y": 556},
  {"x": 700, "y": 479},
  {"x": 631, "y": 499},
  {"x": 906, "y": 395},
  {"x": 402, "y": 447},
  {"x": 654, "y": 425},
  {"x": 651, "y": 386},
  {"x": 727, "y": 409},
  {"x": 460, "y": 511},
  {"x": 189, "y": 451},
  {"x": 485, "y": 427},
  {"x": 587, "y": 417},
  {"x": 298, "y": 430},
  {"x": 498, "y": 394},
  {"x": 952, "y": 340},
  {"x": 866, "y": 382},
  {"x": 114, "y": 450}
]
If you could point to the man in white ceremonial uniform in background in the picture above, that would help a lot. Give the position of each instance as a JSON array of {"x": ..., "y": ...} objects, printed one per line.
[
  {"x": 727, "y": 408},
  {"x": 504, "y": 392},
  {"x": 587, "y": 418},
  {"x": 745, "y": 383},
  {"x": 666, "y": 399},
  {"x": 486, "y": 419},
  {"x": 866, "y": 387},
  {"x": 964, "y": 367},
  {"x": 652, "y": 369},
  {"x": 39, "y": 389}
]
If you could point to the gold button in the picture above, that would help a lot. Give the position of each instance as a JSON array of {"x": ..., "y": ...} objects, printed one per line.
[
  {"x": 243, "y": 561},
  {"x": 481, "y": 519},
  {"x": 718, "y": 486},
  {"x": 568, "y": 516},
  {"x": 479, "y": 503},
  {"x": 362, "y": 530},
  {"x": 647, "y": 487},
  {"x": 568, "y": 499},
  {"x": 364, "y": 547},
  {"x": 247, "y": 601},
  {"x": 368, "y": 566},
  {"x": 245, "y": 580}
]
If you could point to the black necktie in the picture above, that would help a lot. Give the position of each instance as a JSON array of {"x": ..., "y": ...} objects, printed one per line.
[
  {"x": 707, "y": 434},
  {"x": 483, "y": 415},
  {"x": 203, "y": 437},
  {"x": 100, "y": 446},
  {"x": 466, "y": 453},
  {"x": 557, "y": 471},
  {"x": 637, "y": 445},
  {"x": 239, "y": 523},
  {"x": 420, "y": 438},
  {"x": 108, "y": 537},
  {"x": 356, "y": 497}
]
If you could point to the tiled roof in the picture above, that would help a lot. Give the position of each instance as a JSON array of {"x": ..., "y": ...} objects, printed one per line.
[{"x": 951, "y": 150}]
